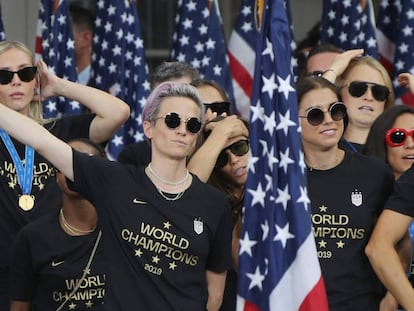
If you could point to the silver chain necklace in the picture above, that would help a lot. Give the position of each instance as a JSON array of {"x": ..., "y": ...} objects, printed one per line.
[
  {"x": 175, "y": 198},
  {"x": 167, "y": 182}
]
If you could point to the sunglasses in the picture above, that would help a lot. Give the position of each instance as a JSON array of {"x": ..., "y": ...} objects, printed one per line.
[
  {"x": 315, "y": 116},
  {"x": 238, "y": 148},
  {"x": 359, "y": 88},
  {"x": 397, "y": 136},
  {"x": 173, "y": 120},
  {"x": 26, "y": 74},
  {"x": 218, "y": 107}
]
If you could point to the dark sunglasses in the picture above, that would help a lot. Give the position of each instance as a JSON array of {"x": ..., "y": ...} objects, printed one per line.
[
  {"x": 315, "y": 116},
  {"x": 218, "y": 107},
  {"x": 238, "y": 148},
  {"x": 397, "y": 136},
  {"x": 358, "y": 88},
  {"x": 26, "y": 74},
  {"x": 173, "y": 120}
]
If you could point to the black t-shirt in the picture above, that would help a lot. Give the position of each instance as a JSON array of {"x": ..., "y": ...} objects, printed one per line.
[
  {"x": 47, "y": 264},
  {"x": 44, "y": 189},
  {"x": 402, "y": 198},
  {"x": 138, "y": 154},
  {"x": 346, "y": 202},
  {"x": 158, "y": 251}
]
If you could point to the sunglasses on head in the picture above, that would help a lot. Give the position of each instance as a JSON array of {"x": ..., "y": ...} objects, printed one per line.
[
  {"x": 26, "y": 74},
  {"x": 238, "y": 148},
  {"x": 218, "y": 107},
  {"x": 397, "y": 136},
  {"x": 173, "y": 120},
  {"x": 359, "y": 88},
  {"x": 315, "y": 116}
]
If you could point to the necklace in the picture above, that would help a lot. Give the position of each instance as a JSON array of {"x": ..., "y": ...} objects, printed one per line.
[
  {"x": 71, "y": 228},
  {"x": 175, "y": 198},
  {"x": 166, "y": 182},
  {"x": 322, "y": 166}
]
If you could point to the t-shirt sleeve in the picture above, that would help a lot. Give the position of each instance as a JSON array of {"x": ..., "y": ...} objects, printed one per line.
[
  {"x": 70, "y": 127},
  {"x": 402, "y": 197},
  {"x": 22, "y": 275},
  {"x": 219, "y": 259}
]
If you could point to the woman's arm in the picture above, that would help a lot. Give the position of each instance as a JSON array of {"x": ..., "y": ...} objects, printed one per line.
[
  {"x": 202, "y": 162},
  {"x": 19, "y": 305},
  {"x": 215, "y": 284},
  {"x": 381, "y": 251},
  {"x": 111, "y": 112},
  {"x": 29, "y": 132}
]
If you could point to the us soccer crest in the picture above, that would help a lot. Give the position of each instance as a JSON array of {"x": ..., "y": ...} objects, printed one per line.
[
  {"x": 356, "y": 198},
  {"x": 198, "y": 226}
]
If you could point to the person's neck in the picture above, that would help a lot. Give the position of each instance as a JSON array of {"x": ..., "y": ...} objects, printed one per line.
[
  {"x": 169, "y": 175},
  {"x": 356, "y": 135},
  {"x": 82, "y": 63},
  {"x": 323, "y": 159},
  {"x": 79, "y": 214}
]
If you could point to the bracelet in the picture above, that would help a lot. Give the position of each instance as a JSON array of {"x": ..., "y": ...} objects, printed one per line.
[{"x": 330, "y": 70}]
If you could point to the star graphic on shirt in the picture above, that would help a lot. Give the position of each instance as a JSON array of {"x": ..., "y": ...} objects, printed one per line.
[
  {"x": 167, "y": 225},
  {"x": 322, "y": 244},
  {"x": 138, "y": 252},
  {"x": 323, "y": 208},
  {"x": 72, "y": 306},
  {"x": 173, "y": 265},
  {"x": 12, "y": 184},
  {"x": 89, "y": 304},
  {"x": 155, "y": 259},
  {"x": 87, "y": 270},
  {"x": 340, "y": 244}
]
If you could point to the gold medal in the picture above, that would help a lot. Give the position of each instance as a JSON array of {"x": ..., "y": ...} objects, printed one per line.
[{"x": 26, "y": 202}]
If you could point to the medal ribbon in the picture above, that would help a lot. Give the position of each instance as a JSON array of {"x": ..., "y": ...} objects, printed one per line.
[{"x": 24, "y": 174}]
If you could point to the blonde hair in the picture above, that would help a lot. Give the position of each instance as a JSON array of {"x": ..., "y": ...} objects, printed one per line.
[
  {"x": 35, "y": 109},
  {"x": 374, "y": 64}
]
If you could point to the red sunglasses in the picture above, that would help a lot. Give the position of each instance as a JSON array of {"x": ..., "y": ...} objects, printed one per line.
[{"x": 397, "y": 136}]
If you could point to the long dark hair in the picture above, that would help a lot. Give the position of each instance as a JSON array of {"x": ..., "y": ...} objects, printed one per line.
[{"x": 375, "y": 144}]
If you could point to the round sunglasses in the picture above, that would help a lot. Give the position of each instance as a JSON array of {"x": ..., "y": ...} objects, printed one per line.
[
  {"x": 315, "y": 116},
  {"x": 238, "y": 148},
  {"x": 173, "y": 120},
  {"x": 26, "y": 74},
  {"x": 396, "y": 137},
  {"x": 359, "y": 88}
]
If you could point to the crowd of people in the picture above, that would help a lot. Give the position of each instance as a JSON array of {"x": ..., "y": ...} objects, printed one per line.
[{"x": 160, "y": 227}]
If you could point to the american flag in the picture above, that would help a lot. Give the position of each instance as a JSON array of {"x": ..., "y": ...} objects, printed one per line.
[
  {"x": 404, "y": 48},
  {"x": 278, "y": 265},
  {"x": 348, "y": 25},
  {"x": 387, "y": 31},
  {"x": 199, "y": 40},
  {"x": 55, "y": 45},
  {"x": 2, "y": 33},
  {"x": 241, "y": 50},
  {"x": 119, "y": 66}
]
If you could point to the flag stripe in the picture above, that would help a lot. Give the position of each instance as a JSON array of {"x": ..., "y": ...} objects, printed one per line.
[{"x": 299, "y": 273}]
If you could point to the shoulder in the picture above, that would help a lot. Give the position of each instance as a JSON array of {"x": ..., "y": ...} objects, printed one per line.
[{"x": 207, "y": 190}]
